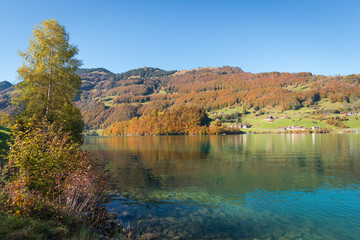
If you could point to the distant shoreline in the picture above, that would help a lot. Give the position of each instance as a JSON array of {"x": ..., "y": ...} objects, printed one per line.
[{"x": 254, "y": 131}]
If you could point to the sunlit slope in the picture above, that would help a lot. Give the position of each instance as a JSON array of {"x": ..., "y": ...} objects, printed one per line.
[{"x": 106, "y": 98}]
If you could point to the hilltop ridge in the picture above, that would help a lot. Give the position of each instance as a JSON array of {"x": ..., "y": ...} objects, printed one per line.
[{"x": 5, "y": 85}]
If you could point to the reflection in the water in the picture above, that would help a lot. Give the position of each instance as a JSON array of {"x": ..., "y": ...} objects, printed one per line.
[{"x": 240, "y": 186}]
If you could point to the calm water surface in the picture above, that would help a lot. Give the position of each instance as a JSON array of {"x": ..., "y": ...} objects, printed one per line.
[{"x": 236, "y": 187}]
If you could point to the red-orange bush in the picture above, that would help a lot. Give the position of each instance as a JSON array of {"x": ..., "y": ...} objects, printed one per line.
[{"x": 50, "y": 172}]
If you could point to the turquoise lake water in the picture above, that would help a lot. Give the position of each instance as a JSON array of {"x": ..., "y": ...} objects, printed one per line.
[{"x": 294, "y": 186}]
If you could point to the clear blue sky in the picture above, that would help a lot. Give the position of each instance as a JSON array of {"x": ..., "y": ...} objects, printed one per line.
[{"x": 318, "y": 36}]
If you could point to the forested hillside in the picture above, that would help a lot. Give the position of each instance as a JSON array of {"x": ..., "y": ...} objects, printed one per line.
[{"x": 107, "y": 98}]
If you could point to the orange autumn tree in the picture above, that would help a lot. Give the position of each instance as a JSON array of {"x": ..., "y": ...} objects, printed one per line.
[{"x": 181, "y": 120}]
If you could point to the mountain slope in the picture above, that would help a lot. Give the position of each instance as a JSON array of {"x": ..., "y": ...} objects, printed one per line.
[{"x": 106, "y": 97}]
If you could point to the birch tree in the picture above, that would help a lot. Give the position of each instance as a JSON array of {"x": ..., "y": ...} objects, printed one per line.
[{"x": 49, "y": 80}]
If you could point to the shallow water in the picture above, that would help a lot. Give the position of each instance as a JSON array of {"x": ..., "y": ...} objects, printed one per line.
[{"x": 236, "y": 187}]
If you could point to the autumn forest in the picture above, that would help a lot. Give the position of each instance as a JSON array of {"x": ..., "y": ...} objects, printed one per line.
[{"x": 108, "y": 100}]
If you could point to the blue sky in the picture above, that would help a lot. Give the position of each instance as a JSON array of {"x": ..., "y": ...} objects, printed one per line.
[{"x": 318, "y": 36}]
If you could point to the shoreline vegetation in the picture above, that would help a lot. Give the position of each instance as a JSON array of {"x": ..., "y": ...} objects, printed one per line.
[
  {"x": 263, "y": 131},
  {"x": 52, "y": 189}
]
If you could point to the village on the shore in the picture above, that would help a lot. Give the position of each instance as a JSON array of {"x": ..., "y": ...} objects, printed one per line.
[{"x": 271, "y": 119}]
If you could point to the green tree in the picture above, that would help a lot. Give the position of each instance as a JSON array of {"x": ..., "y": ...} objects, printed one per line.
[{"x": 50, "y": 82}]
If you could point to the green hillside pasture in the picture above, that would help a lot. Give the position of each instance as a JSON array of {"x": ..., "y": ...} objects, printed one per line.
[{"x": 304, "y": 117}]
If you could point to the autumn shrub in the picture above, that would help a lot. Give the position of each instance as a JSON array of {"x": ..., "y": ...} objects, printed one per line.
[
  {"x": 3, "y": 194},
  {"x": 215, "y": 130},
  {"x": 336, "y": 122},
  {"x": 4, "y": 147},
  {"x": 50, "y": 174},
  {"x": 4, "y": 137}
]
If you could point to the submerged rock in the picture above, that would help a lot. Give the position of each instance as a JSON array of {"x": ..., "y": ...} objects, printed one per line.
[
  {"x": 293, "y": 234},
  {"x": 196, "y": 229},
  {"x": 125, "y": 214},
  {"x": 197, "y": 219},
  {"x": 149, "y": 236},
  {"x": 112, "y": 216},
  {"x": 284, "y": 238},
  {"x": 278, "y": 232},
  {"x": 170, "y": 219},
  {"x": 158, "y": 228},
  {"x": 203, "y": 211}
]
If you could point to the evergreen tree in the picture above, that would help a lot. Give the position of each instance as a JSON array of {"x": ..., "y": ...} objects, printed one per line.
[{"x": 50, "y": 82}]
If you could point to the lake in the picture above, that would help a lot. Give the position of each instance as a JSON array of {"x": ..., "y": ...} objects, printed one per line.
[{"x": 254, "y": 186}]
